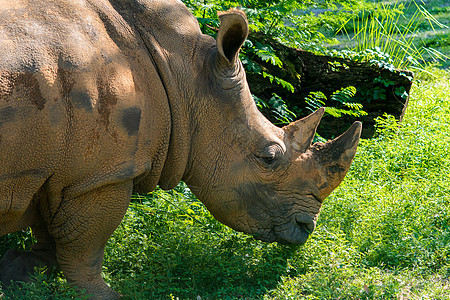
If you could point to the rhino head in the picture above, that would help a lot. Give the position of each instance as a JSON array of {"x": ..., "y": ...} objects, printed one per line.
[{"x": 253, "y": 176}]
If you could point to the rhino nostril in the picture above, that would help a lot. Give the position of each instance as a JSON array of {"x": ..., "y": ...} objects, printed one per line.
[{"x": 306, "y": 222}]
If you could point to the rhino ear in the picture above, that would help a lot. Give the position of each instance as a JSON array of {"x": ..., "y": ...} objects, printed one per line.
[
  {"x": 299, "y": 134},
  {"x": 233, "y": 32}
]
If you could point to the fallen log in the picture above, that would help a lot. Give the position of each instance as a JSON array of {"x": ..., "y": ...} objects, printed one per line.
[{"x": 380, "y": 89}]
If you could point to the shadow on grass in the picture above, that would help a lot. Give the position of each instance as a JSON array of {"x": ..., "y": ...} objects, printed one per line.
[{"x": 234, "y": 268}]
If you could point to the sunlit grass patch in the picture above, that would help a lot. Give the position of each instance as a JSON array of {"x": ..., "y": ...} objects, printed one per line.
[{"x": 369, "y": 283}]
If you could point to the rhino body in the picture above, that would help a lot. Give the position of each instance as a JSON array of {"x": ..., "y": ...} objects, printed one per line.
[{"x": 102, "y": 98}]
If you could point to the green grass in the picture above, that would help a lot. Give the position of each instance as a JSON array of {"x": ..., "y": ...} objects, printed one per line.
[{"x": 383, "y": 234}]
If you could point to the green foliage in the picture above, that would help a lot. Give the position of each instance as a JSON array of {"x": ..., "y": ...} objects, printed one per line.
[
  {"x": 315, "y": 100},
  {"x": 42, "y": 286},
  {"x": 284, "y": 20},
  {"x": 277, "y": 108},
  {"x": 266, "y": 53},
  {"x": 386, "y": 126},
  {"x": 279, "y": 81},
  {"x": 340, "y": 104},
  {"x": 379, "y": 38},
  {"x": 21, "y": 240}
]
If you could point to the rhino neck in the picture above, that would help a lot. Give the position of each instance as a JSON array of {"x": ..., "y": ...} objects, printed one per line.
[{"x": 170, "y": 34}]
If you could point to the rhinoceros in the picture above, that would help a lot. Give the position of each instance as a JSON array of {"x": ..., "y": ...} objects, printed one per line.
[{"x": 103, "y": 98}]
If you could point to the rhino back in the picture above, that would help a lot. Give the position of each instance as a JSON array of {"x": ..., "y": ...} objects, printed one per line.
[{"x": 81, "y": 104}]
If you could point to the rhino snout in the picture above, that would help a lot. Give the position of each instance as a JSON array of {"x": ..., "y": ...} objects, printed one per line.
[
  {"x": 298, "y": 231},
  {"x": 306, "y": 222}
]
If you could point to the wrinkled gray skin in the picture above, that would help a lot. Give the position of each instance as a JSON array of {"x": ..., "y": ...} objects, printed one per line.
[{"x": 102, "y": 98}]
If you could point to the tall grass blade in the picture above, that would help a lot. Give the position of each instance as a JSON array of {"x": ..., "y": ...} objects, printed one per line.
[{"x": 381, "y": 30}]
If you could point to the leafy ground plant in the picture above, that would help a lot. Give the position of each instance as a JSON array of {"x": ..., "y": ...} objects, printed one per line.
[{"x": 43, "y": 287}]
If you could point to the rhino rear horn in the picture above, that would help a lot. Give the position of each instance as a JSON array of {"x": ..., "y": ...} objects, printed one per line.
[
  {"x": 233, "y": 32},
  {"x": 301, "y": 132},
  {"x": 335, "y": 157}
]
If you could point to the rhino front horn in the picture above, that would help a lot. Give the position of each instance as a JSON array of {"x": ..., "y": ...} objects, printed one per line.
[
  {"x": 335, "y": 157},
  {"x": 301, "y": 132}
]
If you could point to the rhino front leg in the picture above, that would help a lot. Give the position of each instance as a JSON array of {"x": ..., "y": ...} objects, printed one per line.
[{"x": 81, "y": 229}]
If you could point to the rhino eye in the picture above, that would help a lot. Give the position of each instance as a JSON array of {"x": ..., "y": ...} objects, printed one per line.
[
  {"x": 268, "y": 160},
  {"x": 269, "y": 155}
]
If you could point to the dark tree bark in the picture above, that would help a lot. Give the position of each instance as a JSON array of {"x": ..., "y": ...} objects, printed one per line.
[{"x": 308, "y": 72}]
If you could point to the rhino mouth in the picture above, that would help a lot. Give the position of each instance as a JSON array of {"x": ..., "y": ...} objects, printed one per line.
[{"x": 296, "y": 231}]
